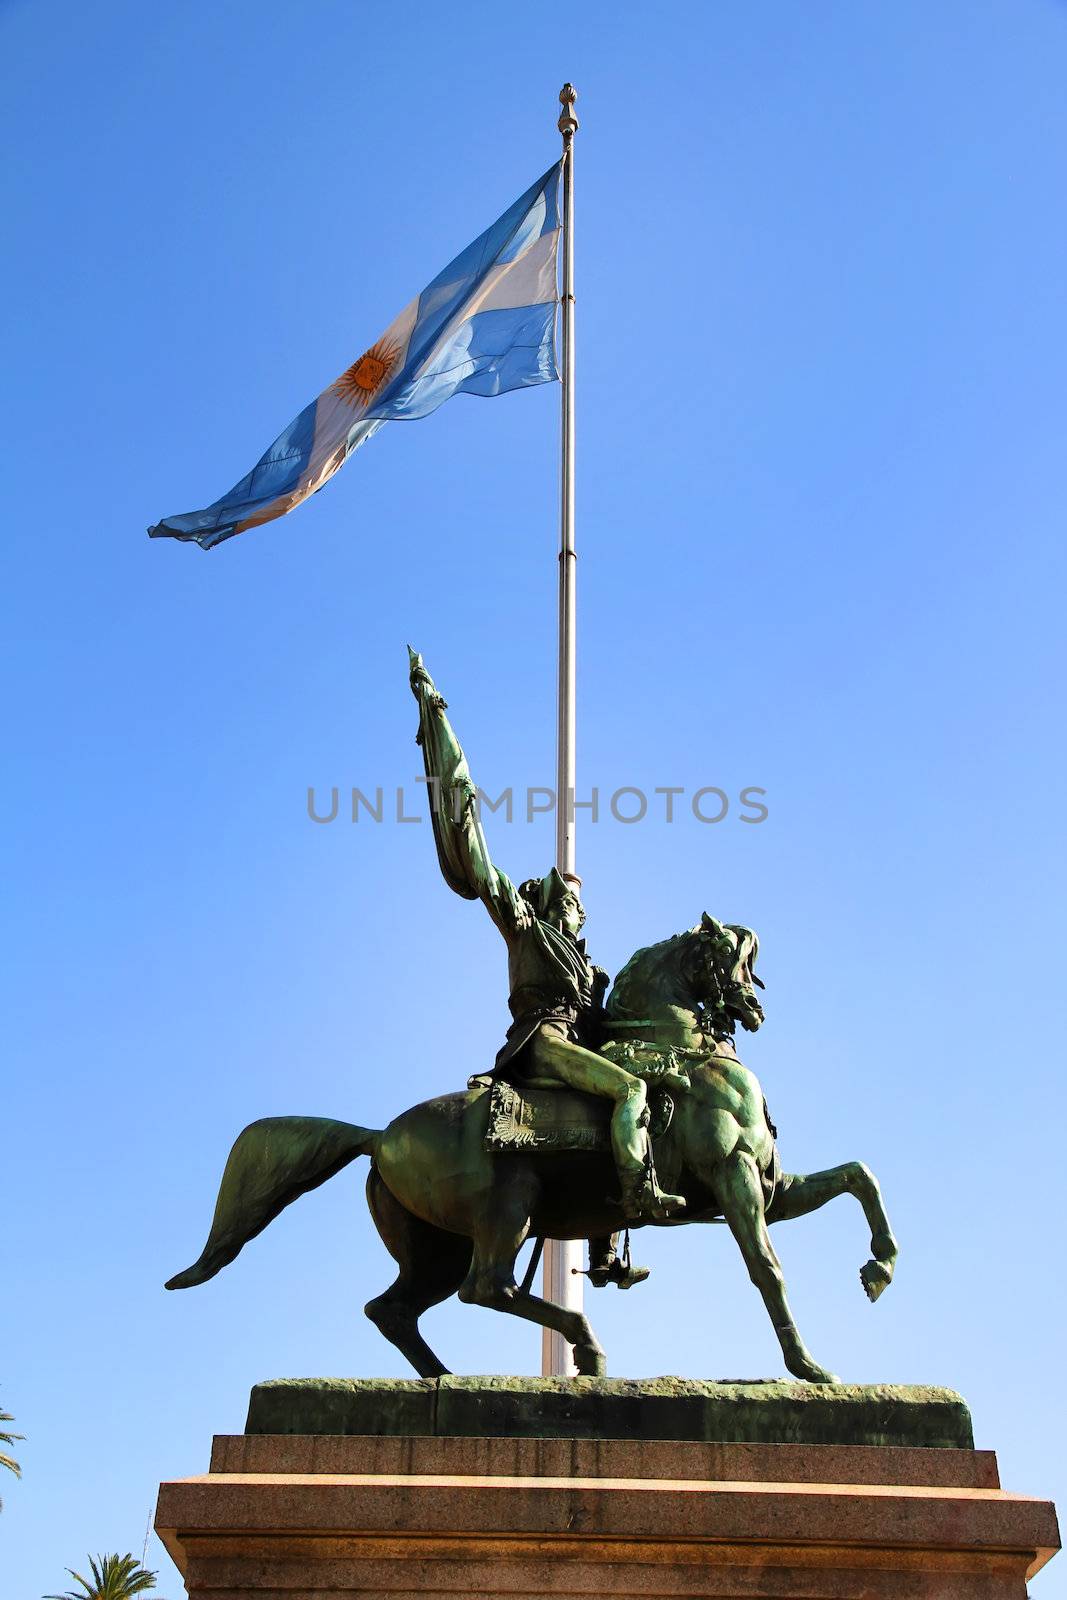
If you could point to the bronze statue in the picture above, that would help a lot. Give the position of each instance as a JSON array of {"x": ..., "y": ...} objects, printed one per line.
[{"x": 458, "y": 1184}]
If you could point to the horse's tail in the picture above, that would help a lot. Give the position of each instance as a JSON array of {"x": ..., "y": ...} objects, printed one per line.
[{"x": 273, "y": 1162}]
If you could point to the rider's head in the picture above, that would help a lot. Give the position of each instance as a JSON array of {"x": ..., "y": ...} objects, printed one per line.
[{"x": 555, "y": 899}]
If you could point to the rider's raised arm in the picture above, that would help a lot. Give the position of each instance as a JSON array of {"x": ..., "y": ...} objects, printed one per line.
[{"x": 457, "y": 829}]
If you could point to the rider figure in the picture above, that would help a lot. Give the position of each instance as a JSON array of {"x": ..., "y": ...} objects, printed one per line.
[{"x": 555, "y": 991}]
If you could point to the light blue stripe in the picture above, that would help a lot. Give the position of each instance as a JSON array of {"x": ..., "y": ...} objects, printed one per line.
[
  {"x": 492, "y": 352},
  {"x": 535, "y": 213}
]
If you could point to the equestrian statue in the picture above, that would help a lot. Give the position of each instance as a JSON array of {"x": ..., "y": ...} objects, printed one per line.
[{"x": 602, "y": 1112}]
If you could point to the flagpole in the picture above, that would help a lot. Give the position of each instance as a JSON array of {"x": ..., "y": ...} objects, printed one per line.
[{"x": 563, "y": 1261}]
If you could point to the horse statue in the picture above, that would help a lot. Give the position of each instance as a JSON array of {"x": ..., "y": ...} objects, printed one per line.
[{"x": 455, "y": 1201}]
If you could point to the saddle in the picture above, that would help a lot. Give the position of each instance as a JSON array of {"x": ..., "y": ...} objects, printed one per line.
[{"x": 558, "y": 1120}]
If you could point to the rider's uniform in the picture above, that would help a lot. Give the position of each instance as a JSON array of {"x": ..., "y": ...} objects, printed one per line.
[
  {"x": 552, "y": 984},
  {"x": 552, "y": 987}
]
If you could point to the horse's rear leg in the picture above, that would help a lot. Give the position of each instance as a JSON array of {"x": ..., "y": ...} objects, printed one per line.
[
  {"x": 491, "y": 1280},
  {"x": 432, "y": 1265},
  {"x": 798, "y": 1193},
  {"x": 740, "y": 1193}
]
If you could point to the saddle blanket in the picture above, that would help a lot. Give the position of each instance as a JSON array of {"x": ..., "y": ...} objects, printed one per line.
[{"x": 556, "y": 1119}]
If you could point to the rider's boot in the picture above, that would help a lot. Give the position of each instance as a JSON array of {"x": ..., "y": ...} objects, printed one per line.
[
  {"x": 622, "y": 1277},
  {"x": 605, "y": 1266},
  {"x": 642, "y": 1198},
  {"x": 644, "y": 1201}
]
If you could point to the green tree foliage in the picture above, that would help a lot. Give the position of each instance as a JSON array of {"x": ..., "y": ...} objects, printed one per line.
[{"x": 113, "y": 1578}]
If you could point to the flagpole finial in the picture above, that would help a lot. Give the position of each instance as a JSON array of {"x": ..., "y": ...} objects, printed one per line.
[{"x": 568, "y": 122}]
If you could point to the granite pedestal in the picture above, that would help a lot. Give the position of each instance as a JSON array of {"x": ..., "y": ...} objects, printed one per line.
[{"x": 446, "y": 1511}]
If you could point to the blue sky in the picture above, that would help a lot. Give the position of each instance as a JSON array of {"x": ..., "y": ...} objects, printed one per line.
[{"x": 821, "y": 257}]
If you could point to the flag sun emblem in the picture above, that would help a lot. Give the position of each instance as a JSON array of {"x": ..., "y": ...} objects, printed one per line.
[{"x": 362, "y": 380}]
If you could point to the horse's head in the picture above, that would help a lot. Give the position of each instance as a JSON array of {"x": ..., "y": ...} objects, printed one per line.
[{"x": 722, "y": 960}]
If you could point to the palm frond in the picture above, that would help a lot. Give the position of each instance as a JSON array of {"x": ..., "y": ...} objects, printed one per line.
[
  {"x": 114, "y": 1577},
  {"x": 9, "y": 1438},
  {"x": 69, "y": 1593}
]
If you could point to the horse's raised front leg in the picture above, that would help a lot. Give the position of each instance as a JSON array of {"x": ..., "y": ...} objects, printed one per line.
[
  {"x": 798, "y": 1193},
  {"x": 740, "y": 1193},
  {"x": 491, "y": 1282}
]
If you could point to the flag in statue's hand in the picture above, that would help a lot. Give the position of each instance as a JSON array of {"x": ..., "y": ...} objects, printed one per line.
[{"x": 486, "y": 324}]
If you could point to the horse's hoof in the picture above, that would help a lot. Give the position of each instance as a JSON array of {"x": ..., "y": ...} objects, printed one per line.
[
  {"x": 875, "y": 1276},
  {"x": 590, "y": 1361}
]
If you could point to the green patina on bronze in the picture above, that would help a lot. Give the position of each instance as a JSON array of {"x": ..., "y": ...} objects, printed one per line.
[
  {"x": 454, "y": 1214},
  {"x": 616, "y": 1408}
]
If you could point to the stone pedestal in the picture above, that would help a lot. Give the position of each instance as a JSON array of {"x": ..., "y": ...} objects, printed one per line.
[{"x": 295, "y": 1516}]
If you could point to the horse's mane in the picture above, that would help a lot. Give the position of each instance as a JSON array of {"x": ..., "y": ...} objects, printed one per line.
[{"x": 650, "y": 966}]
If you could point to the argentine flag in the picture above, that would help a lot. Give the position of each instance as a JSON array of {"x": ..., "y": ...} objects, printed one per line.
[{"x": 486, "y": 324}]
